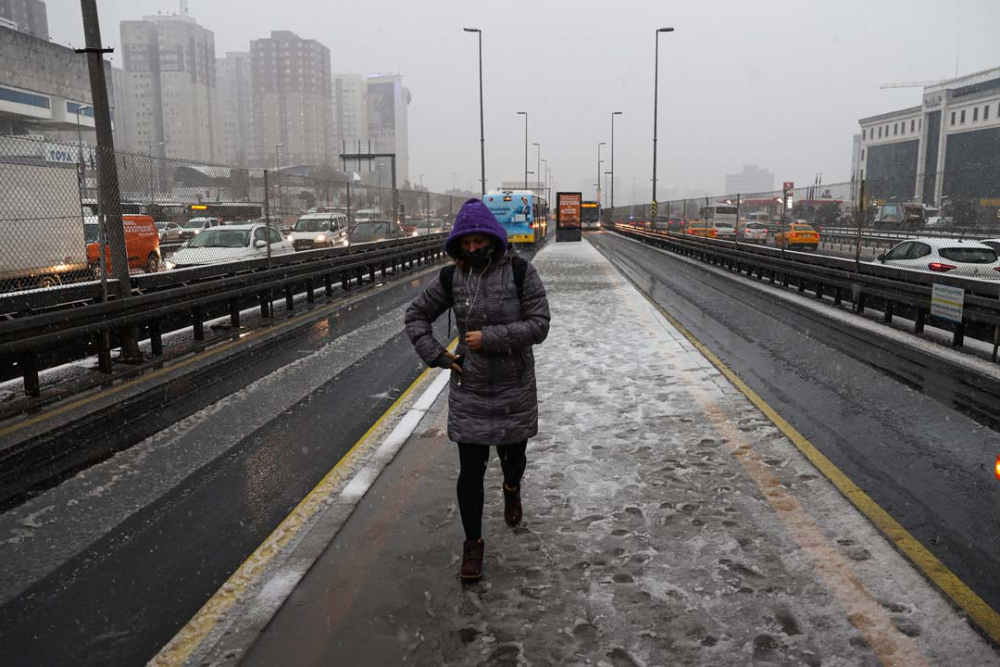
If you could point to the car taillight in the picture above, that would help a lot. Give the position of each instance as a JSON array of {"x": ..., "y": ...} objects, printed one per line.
[
  {"x": 531, "y": 225},
  {"x": 997, "y": 269},
  {"x": 998, "y": 467},
  {"x": 940, "y": 268}
]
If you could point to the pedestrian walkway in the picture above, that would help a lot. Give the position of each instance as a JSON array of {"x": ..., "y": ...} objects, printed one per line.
[{"x": 667, "y": 522}]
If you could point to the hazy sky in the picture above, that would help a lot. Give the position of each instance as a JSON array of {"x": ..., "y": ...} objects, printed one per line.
[{"x": 778, "y": 83}]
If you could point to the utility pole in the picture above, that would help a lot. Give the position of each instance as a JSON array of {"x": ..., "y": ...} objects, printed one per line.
[
  {"x": 107, "y": 168},
  {"x": 525, "y": 114}
]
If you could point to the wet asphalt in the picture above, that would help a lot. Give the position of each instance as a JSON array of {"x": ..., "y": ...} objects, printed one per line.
[{"x": 908, "y": 433}]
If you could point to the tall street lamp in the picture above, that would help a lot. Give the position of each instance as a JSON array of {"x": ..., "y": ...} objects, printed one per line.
[
  {"x": 599, "y": 161},
  {"x": 277, "y": 169},
  {"x": 525, "y": 114},
  {"x": 656, "y": 93},
  {"x": 482, "y": 127},
  {"x": 613, "y": 114},
  {"x": 539, "y": 171}
]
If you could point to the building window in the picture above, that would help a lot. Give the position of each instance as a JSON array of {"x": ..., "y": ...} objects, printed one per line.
[
  {"x": 961, "y": 120},
  {"x": 975, "y": 114},
  {"x": 24, "y": 98},
  {"x": 913, "y": 124},
  {"x": 952, "y": 117},
  {"x": 895, "y": 129},
  {"x": 862, "y": 154},
  {"x": 880, "y": 133},
  {"x": 986, "y": 112}
]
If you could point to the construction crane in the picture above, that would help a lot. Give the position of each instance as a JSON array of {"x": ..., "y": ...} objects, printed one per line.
[{"x": 912, "y": 84}]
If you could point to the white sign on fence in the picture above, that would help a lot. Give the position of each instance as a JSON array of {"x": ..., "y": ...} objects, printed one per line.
[{"x": 947, "y": 302}]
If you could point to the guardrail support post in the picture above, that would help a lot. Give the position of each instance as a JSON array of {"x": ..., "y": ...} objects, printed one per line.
[
  {"x": 959, "y": 339},
  {"x": 199, "y": 325},
  {"x": 29, "y": 371},
  {"x": 289, "y": 299},
  {"x": 310, "y": 294},
  {"x": 345, "y": 284},
  {"x": 234, "y": 313},
  {"x": 838, "y": 296},
  {"x": 383, "y": 270},
  {"x": 918, "y": 326},
  {"x": 819, "y": 291},
  {"x": 104, "y": 351},
  {"x": 371, "y": 272},
  {"x": 887, "y": 313},
  {"x": 859, "y": 304},
  {"x": 265, "y": 304},
  {"x": 156, "y": 338},
  {"x": 328, "y": 284},
  {"x": 802, "y": 285},
  {"x": 361, "y": 277}
]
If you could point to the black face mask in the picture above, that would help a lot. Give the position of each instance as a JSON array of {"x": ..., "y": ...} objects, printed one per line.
[{"x": 479, "y": 259}]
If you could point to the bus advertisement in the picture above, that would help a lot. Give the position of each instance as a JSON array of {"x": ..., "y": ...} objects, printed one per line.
[{"x": 515, "y": 210}]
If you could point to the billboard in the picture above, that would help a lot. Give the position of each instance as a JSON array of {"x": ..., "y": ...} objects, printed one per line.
[
  {"x": 515, "y": 211},
  {"x": 382, "y": 109},
  {"x": 568, "y": 213}
]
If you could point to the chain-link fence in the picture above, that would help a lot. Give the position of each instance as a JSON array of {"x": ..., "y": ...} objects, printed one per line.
[{"x": 180, "y": 213}]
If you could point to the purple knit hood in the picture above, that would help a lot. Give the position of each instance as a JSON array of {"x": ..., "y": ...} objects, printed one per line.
[{"x": 475, "y": 218}]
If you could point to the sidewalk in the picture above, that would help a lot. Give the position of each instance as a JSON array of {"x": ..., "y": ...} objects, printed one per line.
[{"x": 667, "y": 522}]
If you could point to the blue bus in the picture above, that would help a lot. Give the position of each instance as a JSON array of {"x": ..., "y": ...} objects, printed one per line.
[{"x": 521, "y": 212}]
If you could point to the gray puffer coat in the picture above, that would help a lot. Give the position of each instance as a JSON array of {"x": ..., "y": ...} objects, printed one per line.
[{"x": 493, "y": 400}]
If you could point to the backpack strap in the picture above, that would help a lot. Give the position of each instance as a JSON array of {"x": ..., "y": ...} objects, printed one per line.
[
  {"x": 519, "y": 266},
  {"x": 447, "y": 278}
]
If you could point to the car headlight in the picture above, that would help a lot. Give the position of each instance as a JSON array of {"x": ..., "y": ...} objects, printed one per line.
[
  {"x": 291, "y": 237},
  {"x": 197, "y": 231},
  {"x": 320, "y": 238},
  {"x": 168, "y": 265}
]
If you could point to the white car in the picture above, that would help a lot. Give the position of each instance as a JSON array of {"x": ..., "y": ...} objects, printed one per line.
[
  {"x": 231, "y": 243},
  {"x": 993, "y": 243},
  {"x": 319, "y": 230},
  {"x": 754, "y": 232},
  {"x": 956, "y": 257},
  {"x": 725, "y": 230}
]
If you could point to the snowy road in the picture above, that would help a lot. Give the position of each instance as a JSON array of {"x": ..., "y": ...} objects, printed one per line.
[
  {"x": 898, "y": 429},
  {"x": 667, "y": 522}
]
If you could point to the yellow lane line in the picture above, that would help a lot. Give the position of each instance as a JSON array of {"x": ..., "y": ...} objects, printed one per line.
[
  {"x": 55, "y": 412},
  {"x": 984, "y": 616},
  {"x": 246, "y": 576}
]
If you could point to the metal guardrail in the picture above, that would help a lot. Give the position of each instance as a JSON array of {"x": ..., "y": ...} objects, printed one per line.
[
  {"x": 865, "y": 285},
  {"x": 45, "y": 322},
  {"x": 884, "y": 238}
]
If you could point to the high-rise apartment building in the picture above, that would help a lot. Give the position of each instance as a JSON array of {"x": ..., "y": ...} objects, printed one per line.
[
  {"x": 170, "y": 78},
  {"x": 350, "y": 113},
  {"x": 293, "y": 96},
  {"x": 387, "y": 120},
  {"x": 234, "y": 108},
  {"x": 751, "y": 180},
  {"x": 28, "y": 16}
]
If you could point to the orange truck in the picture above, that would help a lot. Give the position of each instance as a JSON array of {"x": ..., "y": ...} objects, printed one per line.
[{"x": 142, "y": 243}]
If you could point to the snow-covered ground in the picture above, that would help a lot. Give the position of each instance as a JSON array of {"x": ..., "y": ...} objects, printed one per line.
[{"x": 667, "y": 522}]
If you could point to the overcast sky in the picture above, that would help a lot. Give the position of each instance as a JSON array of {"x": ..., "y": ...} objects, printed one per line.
[{"x": 777, "y": 83}]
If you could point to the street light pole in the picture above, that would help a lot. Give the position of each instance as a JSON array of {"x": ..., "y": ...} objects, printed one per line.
[
  {"x": 613, "y": 114},
  {"x": 599, "y": 161},
  {"x": 525, "y": 114},
  {"x": 277, "y": 171},
  {"x": 656, "y": 93},
  {"x": 482, "y": 126},
  {"x": 539, "y": 172}
]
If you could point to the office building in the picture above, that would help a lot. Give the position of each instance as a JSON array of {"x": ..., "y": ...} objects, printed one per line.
[
  {"x": 292, "y": 100},
  {"x": 234, "y": 108},
  {"x": 27, "y": 16},
  {"x": 752, "y": 180},
  {"x": 43, "y": 87},
  {"x": 944, "y": 149},
  {"x": 387, "y": 121},
  {"x": 170, "y": 77},
  {"x": 350, "y": 114}
]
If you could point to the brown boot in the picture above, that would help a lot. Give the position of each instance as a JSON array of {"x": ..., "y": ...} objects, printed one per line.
[
  {"x": 512, "y": 505},
  {"x": 472, "y": 559}
]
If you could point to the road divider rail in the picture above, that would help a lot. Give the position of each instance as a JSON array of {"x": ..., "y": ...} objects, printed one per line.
[
  {"x": 865, "y": 285},
  {"x": 41, "y": 322}
]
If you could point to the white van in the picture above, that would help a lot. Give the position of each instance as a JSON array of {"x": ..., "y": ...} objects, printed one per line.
[{"x": 319, "y": 230}]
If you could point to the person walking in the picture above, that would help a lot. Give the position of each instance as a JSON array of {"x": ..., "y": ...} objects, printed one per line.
[{"x": 501, "y": 311}]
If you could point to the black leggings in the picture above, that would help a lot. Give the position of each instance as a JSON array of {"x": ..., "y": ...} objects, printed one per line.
[{"x": 470, "y": 480}]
